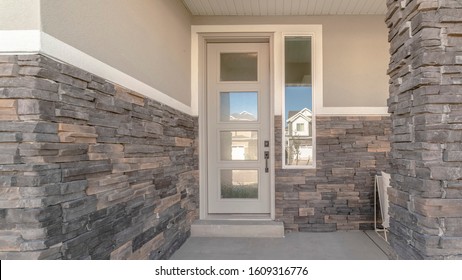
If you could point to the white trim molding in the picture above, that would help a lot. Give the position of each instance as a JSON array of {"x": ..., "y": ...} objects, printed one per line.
[
  {"x": 19, "y": 41},
  {"x": 35, "y": 41}
]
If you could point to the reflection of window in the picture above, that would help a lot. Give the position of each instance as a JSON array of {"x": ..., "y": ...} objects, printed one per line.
[
  {"x": 239, "y": 145},
  {"x": 298, "y": 100},
  {"x": 238, "y": 153}
]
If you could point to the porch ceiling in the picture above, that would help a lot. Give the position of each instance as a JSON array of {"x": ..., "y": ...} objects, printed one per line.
[{"x": 285, "y": 7}]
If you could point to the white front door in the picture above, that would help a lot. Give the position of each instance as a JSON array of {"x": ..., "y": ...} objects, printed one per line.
[{"x": 238, "y": 119}]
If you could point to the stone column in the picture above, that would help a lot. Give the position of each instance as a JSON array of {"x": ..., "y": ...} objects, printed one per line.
[{"x": 426, "y": 109}]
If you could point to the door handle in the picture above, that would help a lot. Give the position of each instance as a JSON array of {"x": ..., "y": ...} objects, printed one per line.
[{"x": 266, "y": 161}]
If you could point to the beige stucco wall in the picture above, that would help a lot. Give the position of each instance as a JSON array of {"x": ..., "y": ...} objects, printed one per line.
[
  {"x": 355, "y": 55},
  {"x": 149, "y": 40},
  {"x": 19, "y": 14}
]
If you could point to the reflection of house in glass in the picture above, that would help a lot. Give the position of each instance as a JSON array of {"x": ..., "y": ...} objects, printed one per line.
[
  {"x": 239, "y": 144},
  {"x": 299, "y": 138}
]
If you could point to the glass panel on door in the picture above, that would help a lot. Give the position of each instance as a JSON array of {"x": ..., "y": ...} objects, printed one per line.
[
  {"x": 238, "y": 106},
  {"x": 239, "y": 183},
  {"x": 239, "y": 145},
  {"x": 242, "y": 67}
]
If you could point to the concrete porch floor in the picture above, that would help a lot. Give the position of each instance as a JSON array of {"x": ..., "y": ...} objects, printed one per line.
[{"x": 350, "y": 245}]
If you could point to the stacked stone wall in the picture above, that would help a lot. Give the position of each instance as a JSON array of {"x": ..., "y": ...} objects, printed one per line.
[
  {"x": 426, "y": 110},
  {"x": 338, "y": 193},
  {"x": 89, "y": 169}
]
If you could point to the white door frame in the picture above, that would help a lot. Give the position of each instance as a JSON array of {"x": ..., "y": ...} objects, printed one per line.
[
  {"x": 200, "y": 34},
  {"x": 201, "y": 41}
]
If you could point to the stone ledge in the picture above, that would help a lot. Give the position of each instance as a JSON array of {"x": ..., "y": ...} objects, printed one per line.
[{"x": 227, "y": 228}]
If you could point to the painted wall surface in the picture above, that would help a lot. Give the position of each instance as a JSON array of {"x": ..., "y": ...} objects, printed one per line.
[
  {"x": 148, "y": 40},
  {"x": 19, "y": 15},
  {"x": 355, "y": 55}
]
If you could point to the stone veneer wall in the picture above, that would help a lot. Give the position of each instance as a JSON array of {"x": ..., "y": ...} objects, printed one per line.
[
  {"x": 88, "y": 169},
  {"x": 426, "y": 105},
  {"x": 338, "y": 194}
]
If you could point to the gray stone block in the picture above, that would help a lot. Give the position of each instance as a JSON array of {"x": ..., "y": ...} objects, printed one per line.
[
  {"x": 107, "y": 119},
  {"x": 109, "y": 108},
  {"x": 123, "y": 104},
  {"x": 10, "y": 137},
  {"x": 84, "y": 168},
  {"x": 8, "y": 59},
  {"x": 67, "y": 99},
  {"x": 40, "y": 137},
  {"x": 38, "y": 178},
  {"x": 153, "y": 127},
  {"x": 76, "y": 92},
  {"x": 29, "y": 127},
  {"x": 28, "y": 93},
  {"x": 51, "y": 74},
  {"x": 72, "y": 114},
  {"x": 104, "y": 87},
  {"x": 39, "y": 61},
  {"x": 142, "y": 149},
  {"x": 98, "y": 79},
  {"x": 32, "y": 215},
  {"x": 8, "y": 70},
  {"x": 78, "y": 208},
  {"x": 452, "y": 156},
  {"x": 29, "y": 82},
  {"x": 75, "y": 72}
]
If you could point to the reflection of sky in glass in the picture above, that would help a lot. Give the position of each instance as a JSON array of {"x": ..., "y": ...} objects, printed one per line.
[
  {"x": 298, "y": 98},
  {"x": 243, "y": 101}
]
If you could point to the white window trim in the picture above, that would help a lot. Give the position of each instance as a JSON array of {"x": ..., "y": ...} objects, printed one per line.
[{"x": 317, "y": 89}]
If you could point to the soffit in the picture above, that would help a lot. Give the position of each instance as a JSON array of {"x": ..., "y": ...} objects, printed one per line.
[{"x": 285, "y": 7}]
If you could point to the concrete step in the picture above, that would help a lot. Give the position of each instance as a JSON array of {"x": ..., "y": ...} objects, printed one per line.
[{"x": 233, "y": 228}]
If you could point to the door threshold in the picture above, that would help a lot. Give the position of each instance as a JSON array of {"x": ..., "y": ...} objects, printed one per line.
[{"x": 237, "y": 228}]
